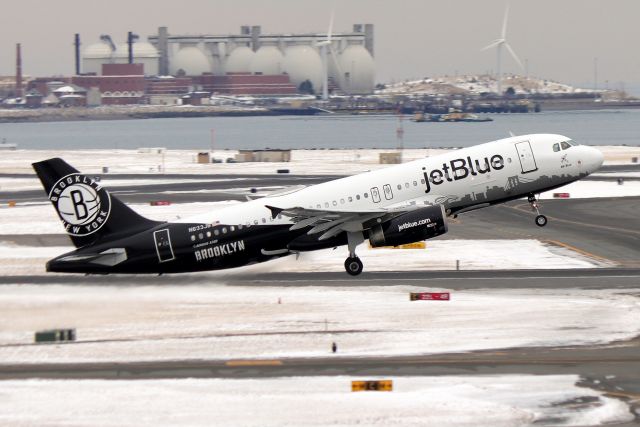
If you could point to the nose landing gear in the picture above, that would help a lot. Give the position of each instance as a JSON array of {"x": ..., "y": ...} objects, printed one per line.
[{"x": 541, "y": 220}]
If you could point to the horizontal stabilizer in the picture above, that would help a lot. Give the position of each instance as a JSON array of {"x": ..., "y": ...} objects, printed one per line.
[{"x": 110, "y": 257}]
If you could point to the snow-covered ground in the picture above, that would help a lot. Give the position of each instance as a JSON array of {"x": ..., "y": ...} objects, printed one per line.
[
  {"x": 591, "y": 189},
  {"x": 229, "y": 321},
  {"x": 303, "y": 162},
  {"x": 223, "y": 321},
  {"x": 495, "y": 401}
]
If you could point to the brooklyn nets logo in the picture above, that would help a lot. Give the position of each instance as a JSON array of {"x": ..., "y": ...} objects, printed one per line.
[{"x": 83, "y": 205}]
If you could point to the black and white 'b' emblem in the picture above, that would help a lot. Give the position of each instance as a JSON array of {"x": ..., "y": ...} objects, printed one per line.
[{"x": 83, "y": 205}]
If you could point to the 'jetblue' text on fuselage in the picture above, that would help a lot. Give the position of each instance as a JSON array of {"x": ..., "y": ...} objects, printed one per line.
[{"x": 460, "y": 169}]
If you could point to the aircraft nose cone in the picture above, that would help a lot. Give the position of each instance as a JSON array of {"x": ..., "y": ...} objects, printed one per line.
[{"x": 596, "y": 159}]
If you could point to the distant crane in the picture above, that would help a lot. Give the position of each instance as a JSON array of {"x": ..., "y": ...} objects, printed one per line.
[{"x": 498, "y": 43}]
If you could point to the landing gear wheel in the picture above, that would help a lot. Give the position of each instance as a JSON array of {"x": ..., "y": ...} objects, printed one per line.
[
  {"x": 353, "y": 265},
  {"x": 541, "y": 220}
]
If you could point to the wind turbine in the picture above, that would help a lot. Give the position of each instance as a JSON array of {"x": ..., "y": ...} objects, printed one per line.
[
  {"x": 326, "y": 45},
  {"x": 498, "y": 43}
]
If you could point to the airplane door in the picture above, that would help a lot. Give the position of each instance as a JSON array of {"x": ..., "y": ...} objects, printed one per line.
[
  {"x": 163, "y": 245},
  {"x": 375, "y": 195},
  {"x": 388, "y": 194},
  {"x": 525, "y": 154}
]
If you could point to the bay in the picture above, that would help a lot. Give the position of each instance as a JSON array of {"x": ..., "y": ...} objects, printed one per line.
[{"x": 319, "y": 132}]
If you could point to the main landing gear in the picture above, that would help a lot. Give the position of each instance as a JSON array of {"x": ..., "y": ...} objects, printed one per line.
[
  {"x": 541, "y": 220},
  {"x": 352, "y": 264}
]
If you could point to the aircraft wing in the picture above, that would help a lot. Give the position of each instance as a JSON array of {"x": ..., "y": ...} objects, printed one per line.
[{"x": 331, "y": 222}]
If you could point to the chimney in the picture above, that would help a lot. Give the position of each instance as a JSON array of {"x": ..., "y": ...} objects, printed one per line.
[
  {"x": 131, "y": 39},
  {"x": 77, "y": 48},
  {"x": 18, "y": 72},
  {"x": 130, "y": 44},
  {"x": 163, "y": 48}
]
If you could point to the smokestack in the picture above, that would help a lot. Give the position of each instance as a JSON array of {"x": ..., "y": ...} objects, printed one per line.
[
  {"x": 130, "y": 43},
  {"x": 18, "y": 71},
  {"x": 163, "y": 47},
  {"x": 77, "y": 45},
  {"x": 131, "y": 38}
]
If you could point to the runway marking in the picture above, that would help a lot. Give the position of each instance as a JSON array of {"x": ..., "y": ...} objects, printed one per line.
[
  {"x": 253, "y": 363},
  {"x": 578, "y": 250}
]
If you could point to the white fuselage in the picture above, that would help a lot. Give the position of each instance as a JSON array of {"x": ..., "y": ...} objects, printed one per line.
[{"x": 476, "y": 176}]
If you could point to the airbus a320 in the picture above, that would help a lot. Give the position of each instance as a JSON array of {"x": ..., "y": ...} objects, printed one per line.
[{"x": 401, "y": 204}]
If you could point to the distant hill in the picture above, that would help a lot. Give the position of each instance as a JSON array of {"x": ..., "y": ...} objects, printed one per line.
[{"x": 483, "y": 84}]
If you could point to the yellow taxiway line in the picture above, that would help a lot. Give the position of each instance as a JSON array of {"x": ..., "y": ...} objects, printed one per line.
[{"x": 578, "y": 250}]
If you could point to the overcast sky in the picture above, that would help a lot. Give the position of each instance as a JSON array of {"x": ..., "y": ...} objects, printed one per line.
[{"x": 413, "y": 38}]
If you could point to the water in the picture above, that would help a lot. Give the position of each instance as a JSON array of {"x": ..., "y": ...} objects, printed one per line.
[{"x": 586, "y": 127}]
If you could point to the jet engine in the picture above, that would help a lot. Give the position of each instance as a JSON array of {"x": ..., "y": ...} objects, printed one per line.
[{"x": 414, "y": 226}]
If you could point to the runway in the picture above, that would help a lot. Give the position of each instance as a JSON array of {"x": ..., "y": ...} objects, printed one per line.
[
  {"x": 615, "y": 278},
  {"x": 604, "y": 228},
  {"x": 619, "y": 359}
]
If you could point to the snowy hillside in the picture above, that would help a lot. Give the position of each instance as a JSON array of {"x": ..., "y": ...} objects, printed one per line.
[{"x": 477, "y": 84}]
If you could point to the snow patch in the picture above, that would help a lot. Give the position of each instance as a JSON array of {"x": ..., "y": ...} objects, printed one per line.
[
  {"x": 131, "y": 322},
  {"x": 497, "y": 401}
]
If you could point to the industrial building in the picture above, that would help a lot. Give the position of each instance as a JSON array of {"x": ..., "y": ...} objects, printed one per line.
[
  {"x": 174, "y": 69},
  {"x": 249, "y": 62}
]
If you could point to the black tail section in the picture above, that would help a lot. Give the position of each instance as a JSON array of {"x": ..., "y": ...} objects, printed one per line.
[{"x": 87, "y": 210}]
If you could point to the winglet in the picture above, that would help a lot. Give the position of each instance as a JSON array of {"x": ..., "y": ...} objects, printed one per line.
[{"x": 274, "y": 211}]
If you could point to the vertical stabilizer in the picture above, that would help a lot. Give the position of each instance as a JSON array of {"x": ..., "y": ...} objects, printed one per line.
[{"x": 87, "y": 210}]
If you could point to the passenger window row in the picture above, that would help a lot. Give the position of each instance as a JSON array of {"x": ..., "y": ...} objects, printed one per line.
[
  {"x": 217, "y": 231},
  {"x": 350, "y": 199}
]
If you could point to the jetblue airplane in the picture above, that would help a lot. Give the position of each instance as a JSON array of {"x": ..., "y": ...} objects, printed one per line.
[{"x": 401, "y": 204}]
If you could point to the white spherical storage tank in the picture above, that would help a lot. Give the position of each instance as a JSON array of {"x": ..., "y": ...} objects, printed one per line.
[
  {"x": 239, "y": 61},
  {"x": 94, "y": 56},
  {"x": 191, "y": 60},
  {"x": 143, "y": 53},
  {"x": 358, "y": 70},
  {"x": 303, "y": 63},
  {"x": 268, "y": 60}
]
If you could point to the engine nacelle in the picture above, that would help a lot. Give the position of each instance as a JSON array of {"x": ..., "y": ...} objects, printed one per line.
[{"x": 411, "y": 227}]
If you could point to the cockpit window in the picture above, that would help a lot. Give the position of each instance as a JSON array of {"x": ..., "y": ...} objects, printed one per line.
[
  {"x": 556, "y": 147},
  {"x": 565, "y": 145}
]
